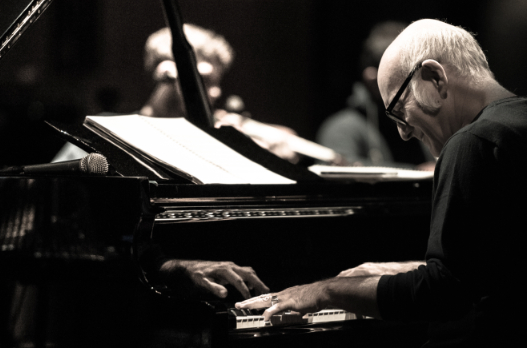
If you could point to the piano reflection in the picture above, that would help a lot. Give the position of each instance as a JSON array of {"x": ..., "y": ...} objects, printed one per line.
[{"x": 92, "y": 240}]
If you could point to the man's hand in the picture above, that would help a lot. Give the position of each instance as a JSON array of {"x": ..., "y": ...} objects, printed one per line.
[
  {"x": 303, "y": 299},
  {"x": 272, "y": 137},
  {"x": 356, "y": 295},
  {"x": 381, "y": 268},
  {"x": 212, "y": 275}
]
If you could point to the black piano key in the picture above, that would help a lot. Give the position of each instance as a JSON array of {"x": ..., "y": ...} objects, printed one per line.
[
  {"x": 246, "y": 311},
  {"x": 236, "y": 312}
]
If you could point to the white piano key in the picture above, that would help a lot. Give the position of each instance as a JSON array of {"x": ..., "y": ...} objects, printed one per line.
[
  {"x": 329, "y": 315},
  {"x": 323, "y": 316}
]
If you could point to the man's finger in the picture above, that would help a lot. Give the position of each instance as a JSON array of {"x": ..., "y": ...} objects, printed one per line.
[
  {"x": 252, "y": 279},
  {"x": 213, "y": 287},
  {"x": 234, "y": 279},
  {"x": 261, "y": 301},
  {"x": 275, "y": 309}
]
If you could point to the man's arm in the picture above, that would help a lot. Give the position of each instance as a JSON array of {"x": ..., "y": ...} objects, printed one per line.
[
  {"x": 381, "y": 268},
  {"x": 354, "y": 294},
  {"x": 354, "y": 290}
]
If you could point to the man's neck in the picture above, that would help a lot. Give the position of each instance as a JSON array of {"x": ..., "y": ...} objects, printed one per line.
[
  {"x": 497, "y": 93},
  {"x": 471, "y": 101}
]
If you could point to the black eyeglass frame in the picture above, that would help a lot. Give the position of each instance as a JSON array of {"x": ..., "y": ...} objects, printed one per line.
[{"x": 400, "y": 92}]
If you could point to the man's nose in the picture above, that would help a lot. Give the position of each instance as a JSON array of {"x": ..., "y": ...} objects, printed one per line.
[{"x": 405, "y": 131}]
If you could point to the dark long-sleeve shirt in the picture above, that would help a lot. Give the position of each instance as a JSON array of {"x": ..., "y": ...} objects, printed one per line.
[{"x": 470, "y": 289}]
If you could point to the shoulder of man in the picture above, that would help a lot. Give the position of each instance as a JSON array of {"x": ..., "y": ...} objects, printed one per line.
[{"x": 503, "y": 123}]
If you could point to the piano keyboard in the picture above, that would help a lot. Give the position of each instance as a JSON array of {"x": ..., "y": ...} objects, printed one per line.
[
  {"x": 247, "y": 319},
  {"x": 328, "y": 315}
]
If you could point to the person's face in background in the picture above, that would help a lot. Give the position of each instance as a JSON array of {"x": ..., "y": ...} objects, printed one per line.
[
  {"x": 369, "y": 77},
  {"x": 211, "y": 75}
]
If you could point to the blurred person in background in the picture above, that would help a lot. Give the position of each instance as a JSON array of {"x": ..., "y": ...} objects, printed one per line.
[
  {"x": 361, "y": 132},
  {"x": 214, "y": 56}
]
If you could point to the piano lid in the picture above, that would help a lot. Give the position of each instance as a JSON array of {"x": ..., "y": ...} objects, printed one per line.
[{"x": 17, "y": 16}]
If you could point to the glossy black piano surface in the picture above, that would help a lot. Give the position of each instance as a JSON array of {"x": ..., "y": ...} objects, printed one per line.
[
  {"x": 67, "y": 221},
  {"x": 357, "y": 333},
  {"x": 79, "y": 232},
  {"x": 275, "y": 226}
]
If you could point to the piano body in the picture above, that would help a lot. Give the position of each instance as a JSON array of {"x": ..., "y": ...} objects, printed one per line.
[
  {"x": 79, "y": 230},
  {"x": 77, "y": 237}
]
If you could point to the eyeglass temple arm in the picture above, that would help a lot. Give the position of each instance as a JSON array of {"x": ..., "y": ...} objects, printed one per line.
[{"x": 403, "y": 87}]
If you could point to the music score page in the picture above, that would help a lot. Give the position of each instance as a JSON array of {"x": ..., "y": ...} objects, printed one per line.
[{"x": 177, "y": 143}]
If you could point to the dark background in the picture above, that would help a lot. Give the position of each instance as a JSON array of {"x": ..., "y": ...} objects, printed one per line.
[{"x": 295, "y": 59}]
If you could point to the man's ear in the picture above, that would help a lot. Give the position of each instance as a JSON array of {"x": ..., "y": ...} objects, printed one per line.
[{"x": 434, "y": 72}]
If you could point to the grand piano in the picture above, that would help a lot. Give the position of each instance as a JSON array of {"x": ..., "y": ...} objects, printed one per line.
[{"x": 76, "y": 240}]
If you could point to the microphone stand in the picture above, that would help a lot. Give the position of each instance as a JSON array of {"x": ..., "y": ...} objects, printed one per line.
[{"x": 194, "y": 94}]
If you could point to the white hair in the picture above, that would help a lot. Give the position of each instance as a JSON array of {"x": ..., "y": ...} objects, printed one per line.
[{"x": 450, "y": 46}]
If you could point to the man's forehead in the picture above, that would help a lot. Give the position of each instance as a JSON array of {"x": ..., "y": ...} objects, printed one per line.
[{"x": 388, "y": 77}]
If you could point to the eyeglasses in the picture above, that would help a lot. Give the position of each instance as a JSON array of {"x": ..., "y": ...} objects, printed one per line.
[{"x": 398, "y": 96}]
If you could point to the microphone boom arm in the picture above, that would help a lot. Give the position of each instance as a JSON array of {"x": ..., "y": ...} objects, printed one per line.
[{"x": 194, "y": 94}]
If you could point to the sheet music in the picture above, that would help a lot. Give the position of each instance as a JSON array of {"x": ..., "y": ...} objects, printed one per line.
[{"x": 177, "y": 143}]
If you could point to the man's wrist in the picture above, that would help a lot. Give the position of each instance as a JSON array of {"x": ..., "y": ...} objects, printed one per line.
[
  {"x": 355, "y": 294},
  {"x": 325, "y": 294},
  {"x": 330, "y": 292}
]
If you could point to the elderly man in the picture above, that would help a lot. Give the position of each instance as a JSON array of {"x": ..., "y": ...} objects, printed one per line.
[{"x": 436, "y": 85}]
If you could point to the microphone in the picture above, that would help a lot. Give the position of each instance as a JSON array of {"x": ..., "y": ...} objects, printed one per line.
[{"x": 92, "y": 163}]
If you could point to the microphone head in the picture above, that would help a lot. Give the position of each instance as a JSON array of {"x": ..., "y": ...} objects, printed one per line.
[{"x": 94, "y": 163}]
